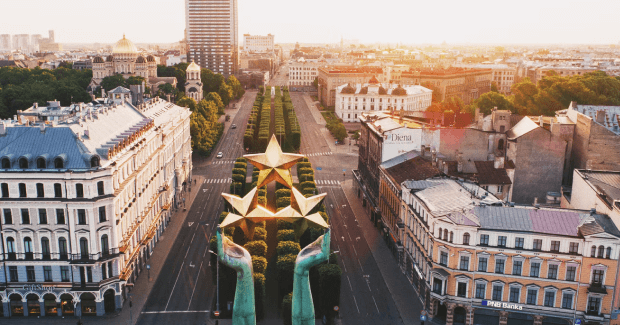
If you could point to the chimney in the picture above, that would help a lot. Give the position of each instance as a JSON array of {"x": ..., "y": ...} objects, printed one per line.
[
  {"x": 601, "y": 117},
  {"x": 102, "y": 93},
  {"x": 499, "y": 162},
  {"x": 589, "y": 164},
  {"x": 535, "y": 201},
  {"x": 2, "y": 129},
  {"x": 87, "y": 133},
  {"x": 42, "y": 127},
  {"x": 445, "y": 168},
  {"x": 36, "y": 105},
  {"x": 433, "y": 155},
  {"x": 459, "y": 160},
  {"x": 592, "y": 211},
  {"x": 422, "y": 150},
  {"x": 168, "y": 96},
  {"x": 540, "y": 122}
]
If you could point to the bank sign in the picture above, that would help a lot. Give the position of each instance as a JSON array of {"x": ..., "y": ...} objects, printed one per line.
[{"x": 499, "y": 304}]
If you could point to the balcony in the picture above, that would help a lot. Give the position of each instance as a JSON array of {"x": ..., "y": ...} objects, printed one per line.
[
  {"x": 81, "y": 258},
  {"x": 597, "y": 288}
]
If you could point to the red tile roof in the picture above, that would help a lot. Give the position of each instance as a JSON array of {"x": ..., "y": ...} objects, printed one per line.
[{"x": 488, "y": 174}]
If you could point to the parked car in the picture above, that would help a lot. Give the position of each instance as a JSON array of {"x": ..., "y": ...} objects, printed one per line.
[
  {"x": 234, "y": 126},
  {"x": 220, "y": 155}
]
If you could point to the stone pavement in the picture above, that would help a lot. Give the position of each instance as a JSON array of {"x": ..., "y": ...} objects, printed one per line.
[
  {"x": 314, "y": 109},
  {"x": 142, "y": 287},
  {"x": 400, "y": 288}
]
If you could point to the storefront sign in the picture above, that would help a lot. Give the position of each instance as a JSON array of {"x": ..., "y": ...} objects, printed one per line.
[
  {"x": 500, "y": 304},
  {"x": 38, "y": 287}
]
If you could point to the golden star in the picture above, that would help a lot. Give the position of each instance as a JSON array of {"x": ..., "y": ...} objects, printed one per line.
[
  {"x": 298, "y": 211},
  {"x": 249, "y": 212},
  {"x": 274, "y": 164}
]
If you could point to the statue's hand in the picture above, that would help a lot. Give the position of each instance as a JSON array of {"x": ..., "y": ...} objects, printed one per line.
[
  {"x": 314, "y": 253},
  {"x": 233, "y": 255}
]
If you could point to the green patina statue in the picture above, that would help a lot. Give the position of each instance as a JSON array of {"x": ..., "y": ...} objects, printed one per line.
[
  {"x": 239, "y": 259},
  {"x": 313, "y": 254}
]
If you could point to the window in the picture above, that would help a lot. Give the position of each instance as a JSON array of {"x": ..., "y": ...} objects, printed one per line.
[
  {"x": 22, "y": 190},
  {"x": 64, "y": 274},
  {"x": 62, "y": 247},
  {"x": 466, "y": 239},
  {"x": 500, "y": 188},
  {"x": 516, "y": 267},
  {"x": 89, "y": 274},
  {"x": 519, "y": 242},
  {"x": 23, "y": 163},
  {"x": 555, "y": 245},
  {"x": 40, "y": 190},
  {"x": 601, "y": 251},
  {"x": 608, "y": 253},
  {"x": 5, "y": 190},
  {"x": 110, "y": 270},
  {"x": 464, "y": 266},
  {"x": 484, "y": 240},
  {"x": 40, "y": 162},
  {"x": 497, "y": 292},
  {"x": 593, "y": 251},
  {"x": 105, "y": 249},
  {"x": 57, "y": 190},
  {"x": 79, "y": 190},
  {"x": 482, "y": 264},
  {"x": 553, "y": 272},
  {"x": 443, "y": 258},
  {"x": 45, "y": 247},
  {"x": 13, "y": 276},
  {"x": 537, "y": 244},
  {"x": 25, "y": 217},
  {"x": 532, "y": 296},
  {"x": 42, "y": 216},
  {"x": 535, "y": 269},
  {"x": 594, "y": 304},
  {"x": 499, "y": 265},
  {"x": 597, "y": 277},
  {"x": 81, "y": 216},
  {"x": 8, "y": 217},
  {"x": 103, "y": 271},
  {"x": 6, "y": 163},
  {"x": 84, "y": 247},
  {"x": 100, "y": 188},
  {"x": 573, "y": 248},
  {"x": 451, "y": 236},
  {"x": 102, "y": 216},
  {"x": 30, "y": 274},
  {"x": 94, "y": 162},
  {"x": 514, "y": 294},
  {"x": 445, "y": 234},
  {"x": 570, "y": 273},
  {"x": 549, "y": 299},
  {"x": 501, "y": 241},
  {"x": 60, "y": 216},
  {"x": 437, "y": 284},
  {"x": 461, "y": 289},
  {"x": 47, "y": 273},
  {"x": 480, "y": 290},
  {"x": 567, "y": 300}
]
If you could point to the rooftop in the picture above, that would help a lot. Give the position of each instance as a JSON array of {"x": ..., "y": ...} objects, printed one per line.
[
  {"x": 488, "y": 174},
  {"x": 351, "y": 69},
  {"x": 410, "y": 166},
  {"x": 443, "y": 72}
]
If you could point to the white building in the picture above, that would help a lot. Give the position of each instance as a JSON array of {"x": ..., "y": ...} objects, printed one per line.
[
  {"x": 302, "y": 74},
  {"x": 352, "y": 101},
  {"x": 84, "y": 199},
  {"x": 258, "y": 43}
]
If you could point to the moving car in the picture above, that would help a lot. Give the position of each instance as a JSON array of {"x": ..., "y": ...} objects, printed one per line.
[
  {"x": 219, "y": 155},
  {"x": 234, "y": 126}
]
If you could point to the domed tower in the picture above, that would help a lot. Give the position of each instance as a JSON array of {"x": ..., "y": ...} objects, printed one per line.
[
  {"x": 125, "y": 55},
  {"x": 152, "y": 66},
  {"x": 193, "y": 85},
  {"x": 141, "y": 67},
  {"x": 99, "y": 70},
  {"x": 109, "y": 65}
]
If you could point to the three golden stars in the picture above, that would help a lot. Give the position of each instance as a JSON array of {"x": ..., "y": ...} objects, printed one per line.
[{"x": 274, "y": 165}]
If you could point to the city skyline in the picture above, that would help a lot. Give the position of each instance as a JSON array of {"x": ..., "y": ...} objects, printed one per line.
[{"x": 552, "y": 22}]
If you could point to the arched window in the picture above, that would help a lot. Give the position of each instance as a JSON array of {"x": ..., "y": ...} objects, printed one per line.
[
  {"x": 6, "y": 163},
  {"x": 84, "y": 247},
  {"x": 608, "y": 253},
  {"x": 466, "y": 239},
  {"x": 41, "y": 162},
  {"x": 601, "y": 251},
  {"x": 27, "y": 245},
  {"x": 10, "y": 245},
  {"x": 451, "y": 236},
  {"x": 593, "y": 252},
  {"x": 23, "y": 163},
  {"x": 45, "y": 247},
  {"x": 439, "y": 233},
  {"x": 62, "y": 247},
  {"x": 445, "y": 234},
  {"x": 94, "y": 162},
  {"x": 105, "y": 250},
  {"x": 500, "y": 144},
  {"x": 58, "y": 163}
]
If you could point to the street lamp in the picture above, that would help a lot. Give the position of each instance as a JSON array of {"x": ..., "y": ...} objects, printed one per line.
[
  {"x": 334, "y": 252},
  {"x": 217, "y": 303}
]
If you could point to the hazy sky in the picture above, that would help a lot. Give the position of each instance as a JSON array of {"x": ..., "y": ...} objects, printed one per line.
[{"x": 405, "y": 21}]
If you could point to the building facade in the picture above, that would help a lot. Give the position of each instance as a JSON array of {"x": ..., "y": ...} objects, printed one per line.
[
  {"x": 212, "y": 35},
  {"x": 301, "y": 74},
  {"x": 353, "y": 100},
  {"x": 258, "y": 43},
  {"x": 193, "y": 84},
  {"x": 503, "y": 75},
  {"x": 331, "y": 77},
  {"x": 466, "y": 84},
  {"x": 5, "y": 42},
  {"x": 85, "y": 201}
]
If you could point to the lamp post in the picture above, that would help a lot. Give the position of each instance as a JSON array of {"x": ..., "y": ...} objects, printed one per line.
[
  {"x": 217, "y": 303},
  {"x": 334, "y": 252}
]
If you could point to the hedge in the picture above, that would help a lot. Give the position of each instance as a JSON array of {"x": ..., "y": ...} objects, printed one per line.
[
  {"x": 284, "y": 224},
  {"x": 288, "y": 247},
  {"x": 260, "y": 233},
  {"x": 283, "y": 193},
  {"x": 286, "y": 235},
  {"x": 259, "y": 295},
  {"x": 256, "y": 248},
  {"x": 305, "y": 185},
  {"x": 302, "y": 171},
  {"x": 285, "y": 266},
  {"x": 283, "y": 202},
  {"x": 259, "y": 264},
  {"x": 306, "y": 178},
  {"x": 287, "y": 309}
]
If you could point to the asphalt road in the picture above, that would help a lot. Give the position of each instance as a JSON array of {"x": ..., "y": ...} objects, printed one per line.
[
  {"x": 364, "y": 296},
  {"x": 183, "y": 293}
]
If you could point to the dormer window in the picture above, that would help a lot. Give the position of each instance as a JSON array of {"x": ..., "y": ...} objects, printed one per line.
[
  {"x": 41, "y": 162},
  {"x": 58, "y": 163},
  {"x": 23, "y": 163},
  {"x": 94, "y": 162},
  {"x": 6, "y": 163}
]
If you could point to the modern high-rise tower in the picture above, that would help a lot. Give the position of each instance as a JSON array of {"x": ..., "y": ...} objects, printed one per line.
[{"x": 212, "y": 34}]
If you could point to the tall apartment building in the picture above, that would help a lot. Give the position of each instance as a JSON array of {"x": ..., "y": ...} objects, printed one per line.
[
  {"x": 467, "y": 84},
  {"x": 212, "y": 34},
  {"x": 86, "y": 192},
  {"x": 258, "y": 43},
  {"x": 5, "y": 42},
  {"x": 21, "y": 42}
]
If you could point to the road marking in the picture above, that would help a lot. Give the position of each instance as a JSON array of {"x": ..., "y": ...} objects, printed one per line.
[
  {"x": 354, "y": 250},
  {"x": 373, "y": 299},
  {"x": 175, "y": 284},
  {"x": 350, "y": 286},
  {"x": 366, "y": 276},
  {"x": 358, "y": 308},
  {"x": 175, "y": 311},
  {"x": 204, "y": 181},
  {"x": 195, "y": 284},
  {"x": 189, "y": 224},
  {"x": 358, "y": 261}
]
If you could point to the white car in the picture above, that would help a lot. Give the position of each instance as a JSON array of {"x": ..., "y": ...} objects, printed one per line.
[{"x": 219, "y": 155}]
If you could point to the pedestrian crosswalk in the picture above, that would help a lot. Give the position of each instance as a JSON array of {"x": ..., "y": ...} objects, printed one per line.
[
  {"x": 326, "y": 182},
  {"x": 223, "y": 161},
  {"x": 318, "y": 154},
  {"x": 218, "y": 181}
]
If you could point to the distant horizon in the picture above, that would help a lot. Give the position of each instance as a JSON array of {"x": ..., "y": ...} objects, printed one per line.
[{"x": 477, "y": 22}]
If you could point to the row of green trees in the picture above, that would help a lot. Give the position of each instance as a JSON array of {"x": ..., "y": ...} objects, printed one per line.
[
  {"x": 293, "y": 131},
  {"x": 250, "y": 131},
  {"x": 20, "y": 88},
  {"x": 335, "y": 125},
  {"x": 239, "y": 173},
  {"x": 280, "y": 127},
  {"x": 264, "y": 127}
]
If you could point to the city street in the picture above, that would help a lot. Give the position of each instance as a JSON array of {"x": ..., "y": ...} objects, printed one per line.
[{"x": 183, "y": 292}]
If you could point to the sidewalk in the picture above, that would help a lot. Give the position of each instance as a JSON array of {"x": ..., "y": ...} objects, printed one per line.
[
  {"x": 401, "y": 290},
  {"x": 331, "y": 141},
  {"x": 142, "y": 287},
  {"x": 318, "y": 117}
]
